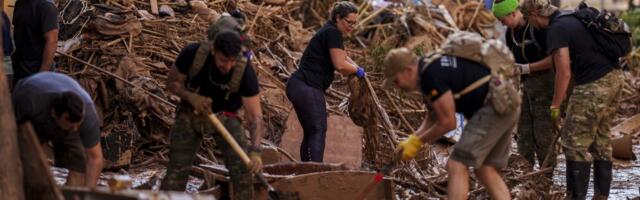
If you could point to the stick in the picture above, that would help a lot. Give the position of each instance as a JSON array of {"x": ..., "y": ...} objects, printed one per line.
[
  {"x": 552, "y": 150},
  {"x": 154, "y": 7},
  {"x": 382, "y": 112},
  {"x": 395, "y": 106},
  {"x": 118, "y": 77}
]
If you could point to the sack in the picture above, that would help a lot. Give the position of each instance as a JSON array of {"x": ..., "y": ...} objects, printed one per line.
[
  {"x": 504, "y": 82},
  {"x": 610, "y": 32}
]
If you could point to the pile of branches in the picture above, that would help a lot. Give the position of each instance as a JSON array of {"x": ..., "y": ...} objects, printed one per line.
[{"x": 127, "y": 38}]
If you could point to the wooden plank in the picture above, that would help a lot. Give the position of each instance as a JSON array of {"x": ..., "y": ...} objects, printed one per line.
[
  {"x": 38, "y": 180},
  {"x": 343, "y": 140},
  {"x": 154, "y": 7},
  {"x": 629, "y": 126},
  {"x": 11, "y": 166}
]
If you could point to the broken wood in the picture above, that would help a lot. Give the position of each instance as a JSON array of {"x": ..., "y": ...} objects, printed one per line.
[
  {"x": 629, "y": 126},
  {"x": 38, "y": 180},
  {"x": 11, "y": 180},
  {"x": 154, "y": 7}
]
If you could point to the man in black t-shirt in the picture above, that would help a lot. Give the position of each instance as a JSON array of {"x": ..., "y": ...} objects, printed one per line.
[
  {"x": 208, "y": 91},
  {"x": 535, "y": 130},
  {"x": 586, "y": 134},
  {"x": 486, "y": 140},
  {"x": 323, "y": 56},
  {"x": 36, "y": 37}
]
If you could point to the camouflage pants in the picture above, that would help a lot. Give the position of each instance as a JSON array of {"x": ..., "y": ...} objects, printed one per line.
[
  {"x": 535, "y": 130},
  {"x": 586, "y": 135},
  {"x": 186, "y": 135}
]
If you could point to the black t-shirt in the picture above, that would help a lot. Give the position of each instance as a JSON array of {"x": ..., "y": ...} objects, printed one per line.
[
  {"x": 316, "y": 68},
  {"x": 31, "y": 20},
  {"x": 455, "y": 74},
  {"x": 587, "y": 64},
  {"x": 211, "y": 83},
  {"x": 527, "y": 44}
]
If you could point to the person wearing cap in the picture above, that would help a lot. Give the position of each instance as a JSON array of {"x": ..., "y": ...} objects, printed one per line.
[
  {"x": 586, "y": 135},
  {"x": 485, "y": 141},
  {"x": 209, "y": 91},
  {"x": 535, "y": 128},
  {"x": 305, "y": 88}
]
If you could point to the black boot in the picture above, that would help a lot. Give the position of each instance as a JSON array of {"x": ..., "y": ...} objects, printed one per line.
[
  {"x": 602, "y": 170},
  {"x": 578, "y": 179}
]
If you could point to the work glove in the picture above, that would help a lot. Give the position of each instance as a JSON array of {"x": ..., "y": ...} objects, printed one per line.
[
  {"x": 256, "y": 162},
  {"x": 360, "y": 72},
  {"x": 555, "y": 113},
  {"x": 523, "y": 69},
  {"x": 410, "y": 147},
  {"x": 201, "y": 104}
]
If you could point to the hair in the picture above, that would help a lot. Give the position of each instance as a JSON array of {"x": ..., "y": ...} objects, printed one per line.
[
  {"x": 68, "y": 102},
  {"x": 541, "y": 7},
  {"x": 239, "y": 15},
  {"x": 341, "y": 9},
  {"x": 228, "y": 43}
]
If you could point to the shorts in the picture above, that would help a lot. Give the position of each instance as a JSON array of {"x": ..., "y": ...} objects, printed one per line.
[{"x": 486, "y": 140}]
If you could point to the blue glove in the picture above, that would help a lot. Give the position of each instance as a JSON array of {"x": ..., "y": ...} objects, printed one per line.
[{"x": 360, "y": 72}]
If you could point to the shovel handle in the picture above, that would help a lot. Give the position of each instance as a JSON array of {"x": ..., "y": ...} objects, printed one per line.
[{"x": 227, "y": 136}]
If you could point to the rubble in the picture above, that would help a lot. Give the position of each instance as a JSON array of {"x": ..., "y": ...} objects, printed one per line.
[{"x": 126, "y": 38}]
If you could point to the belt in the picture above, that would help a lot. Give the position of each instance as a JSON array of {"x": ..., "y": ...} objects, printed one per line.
[{"x": 229, "y": 114}]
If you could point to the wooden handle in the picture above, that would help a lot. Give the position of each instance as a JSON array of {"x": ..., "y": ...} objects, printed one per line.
[{"x": 234, "y": 145}]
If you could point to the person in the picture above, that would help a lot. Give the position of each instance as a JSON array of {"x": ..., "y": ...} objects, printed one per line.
[
  {"x": 7, "y": 47},
  {"x": 485, "y": 141},
  {"x": 36, "y": 37},
  {"x": 586, "y": 135},
  {"x": 535, "y": 128},
  {"x": 208, "y": 91},
  {"x": 324, "y": 55},
  {"x": 64, "y": 114}
]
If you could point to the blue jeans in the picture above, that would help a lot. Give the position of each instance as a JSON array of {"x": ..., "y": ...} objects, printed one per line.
[{"x": 310, "y": 107}]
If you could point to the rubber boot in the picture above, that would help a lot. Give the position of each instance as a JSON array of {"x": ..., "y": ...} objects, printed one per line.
[
  {"x": 578, "y": 179},
  {"x": 602, "y": 171}
]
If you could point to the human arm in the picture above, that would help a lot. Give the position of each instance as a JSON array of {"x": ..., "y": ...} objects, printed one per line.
[
  {"x": 562, "y": 63},
  {"x": 95, "y": 161},
  {"x": 49, "y": 51},
  {"x": 48, "y": 15},
  {"x": 254, "y": 118},
  {"x": 540, "y": 65},
  {"x": 341, "y": 61}
]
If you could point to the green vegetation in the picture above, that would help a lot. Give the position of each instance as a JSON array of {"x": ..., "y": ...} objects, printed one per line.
[{"x": 632, "y": 17}]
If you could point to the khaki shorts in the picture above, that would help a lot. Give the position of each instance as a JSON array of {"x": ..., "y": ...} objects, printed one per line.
[{"x": 486, "y": 140}]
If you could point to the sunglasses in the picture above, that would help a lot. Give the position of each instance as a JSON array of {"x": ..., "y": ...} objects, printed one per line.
[{"x": 350, "y": 23}]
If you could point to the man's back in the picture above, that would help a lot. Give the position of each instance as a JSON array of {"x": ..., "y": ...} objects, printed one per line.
[
  {"x": 32, "y": 99},
  {"x": 31, "y": 20}
]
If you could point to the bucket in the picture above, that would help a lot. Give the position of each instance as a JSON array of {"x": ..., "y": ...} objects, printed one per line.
[{"x": 623, "y": 148}]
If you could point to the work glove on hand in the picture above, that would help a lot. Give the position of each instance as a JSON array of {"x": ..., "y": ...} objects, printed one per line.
[
  {"x": 523, "y": 69},
  {"x": 201, "y": 104},
  {"x": 256, "y": 162},
  {"x": 555, "y": 114},
  {"x": 410, "y": 147},
  {"x": 360, "y": 72}
]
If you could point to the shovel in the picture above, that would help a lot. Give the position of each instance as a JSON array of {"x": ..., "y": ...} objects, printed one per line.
[{"x": 273, "y": 195}]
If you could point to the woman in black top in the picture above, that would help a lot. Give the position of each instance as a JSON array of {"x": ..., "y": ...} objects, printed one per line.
[{"x": 323, "y": 56}]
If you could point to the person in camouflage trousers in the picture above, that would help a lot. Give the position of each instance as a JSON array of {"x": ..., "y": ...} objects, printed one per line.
[
  {"x": 535, "y": 130},
  {"x": 586, "y": 135},
  {"x": 222, "y": 84}
]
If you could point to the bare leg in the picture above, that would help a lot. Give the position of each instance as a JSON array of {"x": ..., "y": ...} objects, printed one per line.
[
  {"x": 75, "y": 179},
  {"x": 458, "y": 187},
  {"x": 491, "y": 180}
]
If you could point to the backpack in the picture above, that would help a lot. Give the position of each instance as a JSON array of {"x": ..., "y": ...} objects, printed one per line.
[
  {"x": 225, "y": 23},
  {"x": 504, "y": 83},
  {"x": 611, "y": 33}
]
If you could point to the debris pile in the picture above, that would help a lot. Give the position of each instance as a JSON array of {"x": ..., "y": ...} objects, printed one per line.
[{"x": 139, "y": 40}]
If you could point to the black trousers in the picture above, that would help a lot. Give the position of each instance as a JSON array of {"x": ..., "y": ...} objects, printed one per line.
[{"x": 310, "y": 107}]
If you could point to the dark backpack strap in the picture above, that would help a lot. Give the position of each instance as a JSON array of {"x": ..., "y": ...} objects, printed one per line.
[
  {"x": 236, "y": 75},
  {"x": 202, "y": 53}
]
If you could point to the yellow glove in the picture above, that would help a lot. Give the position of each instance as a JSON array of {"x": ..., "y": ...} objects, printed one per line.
[
  {"x": 555, "y": 113},
  {"x": 256, "y": 162},
  {"x": 410, "y": 147}
]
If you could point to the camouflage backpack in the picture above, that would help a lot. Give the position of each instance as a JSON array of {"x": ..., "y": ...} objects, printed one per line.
[
  {"x": 225, "y": 23},
  {"x": 504, "y": 93}
]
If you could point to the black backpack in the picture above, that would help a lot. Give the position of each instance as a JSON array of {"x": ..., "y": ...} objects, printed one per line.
[{"x": 611, "y": 33}]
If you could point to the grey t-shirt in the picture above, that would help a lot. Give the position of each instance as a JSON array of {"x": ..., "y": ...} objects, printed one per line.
[{"x": 32, "y": 98}]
